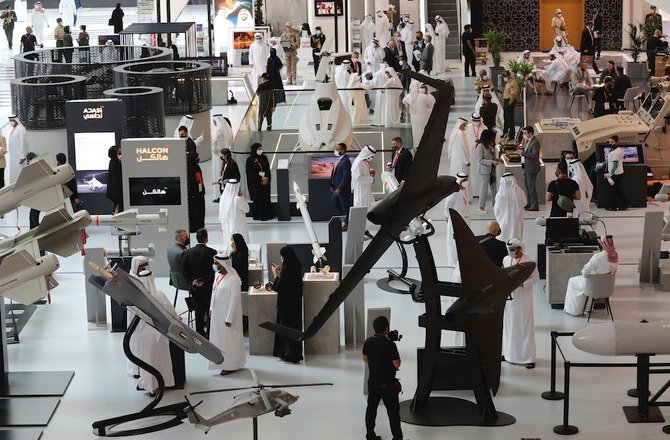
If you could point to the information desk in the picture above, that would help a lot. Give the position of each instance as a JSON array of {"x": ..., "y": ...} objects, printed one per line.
[
  {"x": 517, "y": 171},
  {"x": 316, "y": 290},
  {"x": 262, "y": 308},
  {"x": 553, "y": 140},
  {"x": 561, "y": 265}
]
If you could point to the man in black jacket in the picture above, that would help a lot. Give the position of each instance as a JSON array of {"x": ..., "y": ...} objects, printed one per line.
[
  {"x": 654, "y": 44},
  {"x": 587, "y": 43},
  {"x": 390, "y": 57},
  {"x": 597, "y": 31},
  {"x": 621, "y": 83},
  {"x": 401, "y": 160},
  {"x": 494, "y": 248},
  {"x": 197, "y": 269},
  {"x": 488, "y": 111}
]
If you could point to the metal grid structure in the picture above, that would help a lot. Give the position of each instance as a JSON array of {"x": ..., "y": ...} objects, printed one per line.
[
  {"x": 187, "y": 85},
  {"x": 143, "y": 114},
  {"x": 95, "y": 63},
  {"x": 39, "y": 101}
]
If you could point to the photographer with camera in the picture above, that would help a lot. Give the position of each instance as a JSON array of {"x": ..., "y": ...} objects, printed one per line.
[{"x": 381, "y": 355}]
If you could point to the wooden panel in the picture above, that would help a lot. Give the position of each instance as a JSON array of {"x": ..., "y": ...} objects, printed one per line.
[{"x": 573, "y": 11}]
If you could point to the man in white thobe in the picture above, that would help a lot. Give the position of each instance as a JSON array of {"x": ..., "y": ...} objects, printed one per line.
[
  {"x": 392, "y": 89},
  {"x": 577, "y": 172},
  {"x": 407, "y": 36},
  {"x": 367, "y": 30},
  {"x": 459, "y": 202},
  {"x": 508, "y": 208},
  {"x": 440, "y": 43},
  {"x": 39, "y": 21},
  {"x": 68, "y": 10},
  {"x": 18, "y": 148},
  {"x": 382, "y": 29},
  {"x": 518, "y": 345},
  {"x": 421, "y": 105},
  {"x": 147, "y": 343},
  {"x": 225, "y": 313},
  {"x": 222, "y": 138},
  {"x": 373, "y": 56},
  {"x": 358, "y": 108},
  {"x": 342, "y": 81},
  {"x": 472, "y": 133},
  {"x": 258, "y": 58},
  {"x": 362, "y": 177},
  {"x": 233, "y": 209},
  {"x": 605, "y": 261},
  {"x": 379, "y": 79},
  {"x": 459, "y": 149}
]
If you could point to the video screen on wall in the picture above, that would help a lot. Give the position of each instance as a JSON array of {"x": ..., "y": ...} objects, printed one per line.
[
  {"x": 243, "y": 40},
  {"x": 322, "y": 167},
  {"x": 327, "y": 8},
  {"x": 631, "y": 153},
  {"x": 91, "y": 161},
  {"x": 151, "y": 191},
  {"x": 103, "y": 39}
]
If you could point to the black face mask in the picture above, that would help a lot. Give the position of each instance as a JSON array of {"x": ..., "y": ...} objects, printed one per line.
[{"x": 187, "y": 241}]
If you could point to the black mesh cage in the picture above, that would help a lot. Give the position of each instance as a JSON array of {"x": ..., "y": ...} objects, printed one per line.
[{"x": 143, "y": 114}]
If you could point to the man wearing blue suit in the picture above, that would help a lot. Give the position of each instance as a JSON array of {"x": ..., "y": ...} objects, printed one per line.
[{"x": 340, "y": 184}]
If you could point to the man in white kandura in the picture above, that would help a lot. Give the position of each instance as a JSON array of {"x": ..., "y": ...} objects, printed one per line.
[
  {"x": 367, "y": 30},
  {"x": 233, "y": 209},
  {"x": 459, "y": 201},
  {"x": 459, "y": 149},
  {"x": 362, "y": 177},
  {"x": 508, "y": 208},
  {"x": 258, "y": 58},
  {"x": 421, "y": 105},
  {"x": 222, "y": 138},
  {"x": 382, "y": 28},
  {"x": 519, "y": 320},
  {"x": 392, "y": 89},
  {"x": 225, "y": 313},
  {"x": 342, "y": 81},
  {"x": 373, "y": 56},
  {"x": 39, "y": 21},
  {"x": 577, "y": 172},
  {"x": 440, "y": 43},
  {"x": 605, "y": 261},
  {"x": 356, "y": 95},
  {"x": 472, "y": 133},
  {"x": 17, "y": 147},
  {"x": 146, "y": 342}
]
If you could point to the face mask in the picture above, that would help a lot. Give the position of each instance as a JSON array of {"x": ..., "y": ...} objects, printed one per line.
[
  {"x": 318, "y": 32},
  {"x": 187, "y": 241},
  {"x": 337, "y": 153},
  {"x": 215, "y": 268},
  {"x": 512, "y": 254},
  {"x": 559, "y": 15},
  {"x": 370, "y": 158},
  {"x": 144, "y": 273},
  {"x": 259, "y": 152},
  {"x": 485, "y": 77}
]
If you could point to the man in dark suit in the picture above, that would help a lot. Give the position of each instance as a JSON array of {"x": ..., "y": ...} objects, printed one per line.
[
  {"x": 175, "y": 254},
  {"x": 531, "y": 167},
  {"x": 654, "y": 44},
  {"x": 197, "y": 269},
  {"x": 494, "y": 248},
  {"x": 587, "y": 43},
  {"x": 191, "y": 145},
  {"x": 390, "y": 57},
  {"x": 340, "y": 184},
  {"x": 488, "y": 111},
  {"x": 426, "y": 61},
  {"x": 419, "y": 44},
  {"x": 317, "y": 40},
  {"x": 401, "y": 160},
  {"x": 621, "y": 83},
  {"x": 400, "y": 49},
  {"x": 597, "y": 31}
]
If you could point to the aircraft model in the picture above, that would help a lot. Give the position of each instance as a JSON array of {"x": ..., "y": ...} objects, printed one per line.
[
  {"x": 126, "y": 222},
  {"x": 317, "y": 250},
  {"x": 422, "y": 190},
  {"x": 39, "y": 186},
  {"x": 129, "y": 292},
  {"x": 262, "y": 400},
  {"x": 93, "y": 184}
]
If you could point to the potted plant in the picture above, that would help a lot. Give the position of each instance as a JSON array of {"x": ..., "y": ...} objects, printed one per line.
[
  {"x": 636, "y": 34},
  {"x": 520, "y": 72},
  {"x": 495, "y": 40}
]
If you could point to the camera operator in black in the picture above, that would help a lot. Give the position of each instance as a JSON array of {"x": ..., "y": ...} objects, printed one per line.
[{"x": 381, "y": 355}]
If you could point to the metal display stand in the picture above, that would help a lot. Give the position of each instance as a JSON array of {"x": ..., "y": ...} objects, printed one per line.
[
  {"x": 96, "y": 304},
  {"x": 399, "y": 282}
]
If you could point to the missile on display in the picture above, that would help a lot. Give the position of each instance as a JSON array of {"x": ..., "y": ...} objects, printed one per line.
[
  {"x": 126, "y": 222},
  {"x": 317, "y": 250},
  {"x": 58, "y": 233},
  {"x": 624, "y": 338},
  {"x": 389, "y": 182},
  {"x": 24, "y": 278},
  {"x": 148, "y": 252},
  {"x": 131, "y": 293},
  {"x": 39, "y": 186}
]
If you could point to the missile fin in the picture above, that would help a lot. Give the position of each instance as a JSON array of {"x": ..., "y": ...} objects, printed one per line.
[
  {"x": 51, "y": 282},
  {"x": 65, "y": 242},
  {"x": 46, "y": 200},
  {"x": 33, "y": 172},
  {"x": 52, "y": 220},
  {"x": 28, "y": 292},
  {"x": 16, "y": 262}
]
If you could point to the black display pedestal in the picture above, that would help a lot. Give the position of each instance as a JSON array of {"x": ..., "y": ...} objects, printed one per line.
[
  {"x": 23, "y": 434},
  {"x": 450, "y": 411},
  {"x": 319, "y": 205},
  {"x": 283, "y": 196},
  {"x": 633, "y": 182},
  {"x": 119, "y": 315}
]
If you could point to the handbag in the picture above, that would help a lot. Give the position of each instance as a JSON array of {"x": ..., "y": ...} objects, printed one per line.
[{"x": 564, "y": 202}]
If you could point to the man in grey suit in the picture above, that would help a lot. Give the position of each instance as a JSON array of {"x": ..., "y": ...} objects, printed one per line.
[
  {"x": 175, "y": 254},
  {"x": 531, "y": 167},
  {"x": 426, "y": 60}
]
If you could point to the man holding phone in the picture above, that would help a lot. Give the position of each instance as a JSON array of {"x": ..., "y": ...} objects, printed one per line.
[{"x": 197, "y": 268}]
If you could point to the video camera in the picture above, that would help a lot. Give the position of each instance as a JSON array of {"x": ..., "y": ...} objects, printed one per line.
[{"x": 394, "y": 336}]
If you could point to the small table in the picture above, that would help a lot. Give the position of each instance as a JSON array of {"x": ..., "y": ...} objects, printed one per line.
[
  {"x": 262, "y": 308},
  {"x": 316, "y": 291}
]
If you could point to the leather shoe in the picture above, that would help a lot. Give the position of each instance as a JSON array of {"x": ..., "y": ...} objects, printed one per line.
[
  {"x": 530, "y": 365},
  {"x": 526, "y": 207}
]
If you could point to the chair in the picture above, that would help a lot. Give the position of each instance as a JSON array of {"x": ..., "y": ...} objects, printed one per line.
[
  {"x": 630, "y": 96},
  {"x": 179, "y": 282},
  {"x": 599, "y": 286}
]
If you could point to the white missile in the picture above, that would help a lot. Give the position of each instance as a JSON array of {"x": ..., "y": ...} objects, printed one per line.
[
  {"x": 26, "y": 279},
  {"x": 148, "y": 252},
  {"x": 317, "y": 250},
  {"x": 390, "y": 183},
  {"x": 126, "y": 222},
  {"x": 624, "y": 338},
  {"x": 38, "y": 186}
]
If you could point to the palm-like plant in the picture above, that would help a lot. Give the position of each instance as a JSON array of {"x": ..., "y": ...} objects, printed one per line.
[
  {"x": 495, "y": 40},
  {"x": 521, "y": 71},
  {"x": 637, "y": 39}
]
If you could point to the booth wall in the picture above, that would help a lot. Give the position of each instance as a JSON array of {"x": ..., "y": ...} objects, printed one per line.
[
  {"x": 522, "y": 36},
  {"x": 280, "y": 12}
]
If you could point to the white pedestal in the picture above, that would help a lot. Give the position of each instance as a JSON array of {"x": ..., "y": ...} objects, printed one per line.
[
  {"x": 316, "y": 290},
  {"x": 262, "y": 308}
]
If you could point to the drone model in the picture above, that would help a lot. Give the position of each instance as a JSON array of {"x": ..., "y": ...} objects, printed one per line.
[
  {"x": 262, "y": 399},
  {"x": 93, "y": 184}
]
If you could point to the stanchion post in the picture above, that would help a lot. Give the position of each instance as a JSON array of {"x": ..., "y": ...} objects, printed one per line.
[
  {"x": 566, "y": 428},
  {"x": 552, "y": 394}
]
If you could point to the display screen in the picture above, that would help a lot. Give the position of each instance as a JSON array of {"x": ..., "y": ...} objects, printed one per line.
[
  {"x": 243, "y": 40},
  {"x": 560, "y": 228},
  {"x": 322, "y": 167},
  {"x": 102, "y": 39},
  {"x": 327, "y": 8},
  {"x": 658, "y": 106},
  {"x": 631, "y": 154},
  {"x": 149, "y": 191},
  {"x": 237, "y": 12},
  {"x": 648, "y": 101},
  {"x": 91, "y": 161}
]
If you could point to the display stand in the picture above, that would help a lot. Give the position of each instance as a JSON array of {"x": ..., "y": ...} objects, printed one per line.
[
  {"x": 119, "y": 315},
  {"x": 398, "y": 282},
  {"x": 283, "y": 194},
  {"x": 96, "y": 308},
  {"x": 317, "y": 288},
  {"x": 651, "y": 247},
  {"x": 262, "y": 308}
]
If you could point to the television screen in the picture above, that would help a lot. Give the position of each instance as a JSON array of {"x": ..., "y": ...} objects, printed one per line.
[
  {"x": 631, "y": 153},
  {"x": 102, "y": 39},
  {"x": 243, "y": 40},
  {"x": 322, "y": 167},
  {"x": 327, "y": 8},
  {"x": 561, "y": 228},
  {"x": 658, "y": 105},
  {"x": 648, "y": 101},
  {"x": 91, "y": 161},
  {"x": 150, "y": 191}
]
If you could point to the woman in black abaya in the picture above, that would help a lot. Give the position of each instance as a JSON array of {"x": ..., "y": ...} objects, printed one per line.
[
  {"x": 240, "y": 259},
  {"x": 288, "y": 285},
  {"x": 273, "y": 69},
  {"x": 258, "y": 183},
  {"x": 196, "y": 193}
]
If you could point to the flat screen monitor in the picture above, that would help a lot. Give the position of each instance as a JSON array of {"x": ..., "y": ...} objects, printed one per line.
[
  {"x": 656, "y": 109},
  {"x": 561, "y": 229},
  {"x": 648, "y": 101},
  {"x": 327, "y": 8},
  {"x": 243, "y": 39},
  {"x": 152, "y": 191},
  {"x": 115, "y": 38},
  {"x": 631, "y": 153},
  {"x": 91, "y": 161},
  {"x": 322, "y": 166}
]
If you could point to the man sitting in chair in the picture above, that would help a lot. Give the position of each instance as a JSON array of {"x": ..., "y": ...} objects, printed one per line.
[
  {"x": 605, "y": 261},
  {"x": 581, "y": 82}
]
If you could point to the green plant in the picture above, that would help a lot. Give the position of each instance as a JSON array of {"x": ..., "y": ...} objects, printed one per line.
[
  {"x": 521, "y": 72},
  {"x": 495, "y": 40},
  {"x": 637, "y": 39}
]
